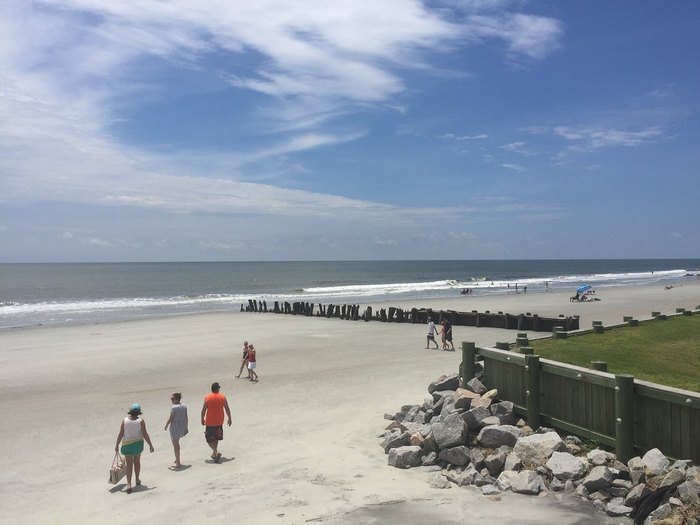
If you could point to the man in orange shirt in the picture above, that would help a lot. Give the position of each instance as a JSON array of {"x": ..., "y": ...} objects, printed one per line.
[{"x": 213, "y": 419}]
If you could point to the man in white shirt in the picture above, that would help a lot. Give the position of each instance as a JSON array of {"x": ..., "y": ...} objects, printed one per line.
[{"x": 431, "y": 334}]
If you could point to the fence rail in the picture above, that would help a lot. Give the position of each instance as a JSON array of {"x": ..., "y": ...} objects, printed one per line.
[{"x": 619, "y": 411}]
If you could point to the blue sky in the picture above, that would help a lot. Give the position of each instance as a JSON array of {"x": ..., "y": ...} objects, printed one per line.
[{"x": 300, "y": 130}]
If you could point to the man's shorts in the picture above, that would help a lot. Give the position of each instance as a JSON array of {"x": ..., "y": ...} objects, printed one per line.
[{"x": 214, "y": 433}]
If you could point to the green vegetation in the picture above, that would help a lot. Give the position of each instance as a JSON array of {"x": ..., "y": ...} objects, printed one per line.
[{"x": 665, "y": 352}]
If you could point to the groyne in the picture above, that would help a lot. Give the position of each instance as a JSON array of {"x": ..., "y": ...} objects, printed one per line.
[{"x": 354, "y": 312}]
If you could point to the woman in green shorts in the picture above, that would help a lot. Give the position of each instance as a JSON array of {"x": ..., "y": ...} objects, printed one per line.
[{"x": 131, "y": 435}]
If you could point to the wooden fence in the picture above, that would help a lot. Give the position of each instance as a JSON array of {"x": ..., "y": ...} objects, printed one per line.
[{"x": 624, "y": 413}]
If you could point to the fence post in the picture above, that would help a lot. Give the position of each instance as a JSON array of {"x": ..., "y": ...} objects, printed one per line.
[
  {"x": 601, "y": 366},
  {"x": 532, "y": 392},
  {"x": 468, "y": 356},
  {"x": 624, "y": 417}
]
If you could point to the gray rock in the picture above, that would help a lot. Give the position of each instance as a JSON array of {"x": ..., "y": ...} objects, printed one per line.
[
  {"x": 513, "y": 462},
  {"x": 556, "y": 485},
  {"x": 476, "y": 386},
  {"x": 494, "y": 462},
  {"x": 681, "y": 464},
  {"x": 464, "y": 397},
  {"x": 617, "y": 510},
  {"x": 672, "y": 479},
  {"x": 491, "y": 421},
  {"x": 412, "y": 413},
  {"x": 412, "y": 428},
  {"x": 662, "y": 512},
  {"x": 582, "y": 491},
  {"x": 635, "y": 494},
  {"x": 565, "y": 466},
  {"x": 527, "y": 482},
  {"x": 458, "y": 456},
  {"x": 438, "y": 481},
  {"x": 405, "y": 457},
  {"x": 504, "y": 408},
  {"x": 600, "y": 505},
  {"x": 477, "y": 458},
  {"x": 636, "y": 470},
  {"x": 475, "y": 416},
  {"x": 544, "y": 430},
  {"x": 450, "y": 382},
  {"x": 569, "y": 487},
  {"x": 440, "y": 395},
  {"x": 536, "y": 449},
  {"x": 689, "y": 492},
  {"x": 573, "y": 440},
  {"x": 505, "y": 479},
  {"x": 623, "y": 483},
  {"x": 496, "y": 436},
  {"x": 394, "y": 439},
  {"x": 598, "y": 478},
  {"x": 618, "y": 492},
  {"x": 600, "y": 495},
  {"x": 490, "y": 490},
  {"x": 429, "y": 459},
  {"x": 655, "y": 463},
  {"x": 599, "y": 457},
  {"x": 450, "y": 432},
  {"x": 462, "y": 478}
]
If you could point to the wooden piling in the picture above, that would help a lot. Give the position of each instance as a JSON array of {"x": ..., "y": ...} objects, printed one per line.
[
  {"x": 624, "y": 417},
  {"x": 468, "y": 371},
  {"x": 532, "y": 390}
]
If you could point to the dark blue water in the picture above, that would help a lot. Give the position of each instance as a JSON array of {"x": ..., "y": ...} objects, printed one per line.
[{"x": 32, "y": 294}]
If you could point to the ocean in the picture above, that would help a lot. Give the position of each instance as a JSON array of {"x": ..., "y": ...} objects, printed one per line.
[{"x": 81, "y": 293}]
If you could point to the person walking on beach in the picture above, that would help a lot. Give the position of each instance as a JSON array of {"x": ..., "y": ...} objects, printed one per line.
[
  {"x": 447, "y": 335},
  {"x": 178, "y": 425},
  {"x": 132, "y": 433},
  {"x": 244, "y": 361},
  {"x": 252, "y": 364},
  {"x": 431, "y": 334},
  {"x": 213, "y": 419}
]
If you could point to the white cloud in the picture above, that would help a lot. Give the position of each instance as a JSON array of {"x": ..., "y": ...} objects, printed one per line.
[
  {"x": 514, "y": 167},
  {"x": 480, "y": 136},
  {"x": 595, "y": 138},
  {"x": 518, "y": 147}
]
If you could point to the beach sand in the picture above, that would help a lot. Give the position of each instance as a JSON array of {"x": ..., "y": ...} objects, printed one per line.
[{"x": 304, "y": 444}]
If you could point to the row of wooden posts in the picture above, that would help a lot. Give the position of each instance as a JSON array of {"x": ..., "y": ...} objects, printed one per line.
[{"x": 527, "y": 321}]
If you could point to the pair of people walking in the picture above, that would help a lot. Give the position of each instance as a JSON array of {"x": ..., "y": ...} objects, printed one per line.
[
  {"x": 133, "y": 433},
  {"x": 249, "y": 361},
  {"x": 445, "y": 332}
]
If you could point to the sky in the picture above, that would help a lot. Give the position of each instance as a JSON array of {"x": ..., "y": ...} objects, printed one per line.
[{"x": 226, "y": 130}]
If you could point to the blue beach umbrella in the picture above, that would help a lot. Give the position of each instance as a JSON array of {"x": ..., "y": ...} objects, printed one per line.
[{"x": 583, "y": 288}]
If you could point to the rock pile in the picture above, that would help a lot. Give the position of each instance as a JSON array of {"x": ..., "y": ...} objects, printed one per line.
[{"x": 465, "y": 436}]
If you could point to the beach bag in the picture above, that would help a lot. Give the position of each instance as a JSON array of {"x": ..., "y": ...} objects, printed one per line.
[{"x": 118, "y": 469}]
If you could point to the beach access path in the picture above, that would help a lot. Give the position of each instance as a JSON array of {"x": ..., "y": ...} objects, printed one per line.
[{"x": 304, "y": 444}]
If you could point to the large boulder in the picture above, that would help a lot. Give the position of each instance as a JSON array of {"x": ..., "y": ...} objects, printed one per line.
[
  {"x": 395, "y": 438},
  {"x": 405, "y": 457},
  {"x": 440, "y": 395},
  {"x": 476, "y": 386},
  {"x": 494, "y": 462},
  {"x": 565, "y": 466},
  {"x": 505, "y": 479},
  {"x": 689, "y": 492},
  {"x": 527, "y": 482},
  {"x": 496, "y": 436},
  {"x": 474, "y": 417},
  {"x": 450, "y": 432},
  {"x": 535, "y": 450},
  {"x": 655, "y": 463},
  {"x": 450, "y": 382},
  {"x": 636, "y": 470},
  {"x": 458, "y": 456},
  {"x": 463, "y": 398},
  {"x": 598, "y": 478}
]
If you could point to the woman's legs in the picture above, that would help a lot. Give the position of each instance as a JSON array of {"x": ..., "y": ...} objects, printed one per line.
[
  {"x": 176, "y": 448},
  {"x": 129, "y": 470},
  {"x": 137, "y": 468}
]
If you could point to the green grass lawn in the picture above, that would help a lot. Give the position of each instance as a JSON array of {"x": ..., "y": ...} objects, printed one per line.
[{"x": 666, "y": 352}]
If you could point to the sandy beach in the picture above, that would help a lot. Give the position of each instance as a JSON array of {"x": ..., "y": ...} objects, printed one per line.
[{"x": 304, "y": 444}]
